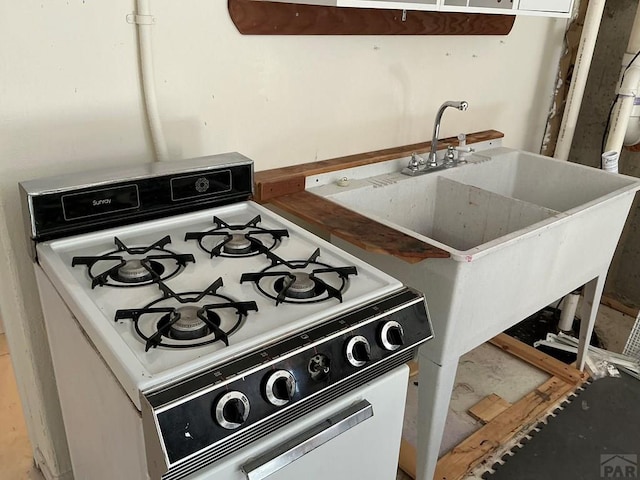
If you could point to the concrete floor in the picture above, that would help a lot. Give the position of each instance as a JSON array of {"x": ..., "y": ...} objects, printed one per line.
[{"x": 481, "y": 372}]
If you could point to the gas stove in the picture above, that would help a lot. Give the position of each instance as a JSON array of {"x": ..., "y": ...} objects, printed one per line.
[
  {"x": 213, "y": 313},
  {"x": 159, "y": 305}
]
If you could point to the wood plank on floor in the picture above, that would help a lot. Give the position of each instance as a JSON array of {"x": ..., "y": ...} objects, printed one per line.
[
  {"x": 508, "y": 422},
  {"x": 521, "y": 416},
  {"x": 489, "y": 408},
  {"x": 539, "y": 359},
  {"x": 619, "y": 306}
]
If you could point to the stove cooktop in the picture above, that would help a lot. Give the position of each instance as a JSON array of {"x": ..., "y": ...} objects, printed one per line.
[{"x": 168, "y": 298}]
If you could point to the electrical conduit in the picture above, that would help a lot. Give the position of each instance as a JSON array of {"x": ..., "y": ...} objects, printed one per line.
[
  {"x": 144, "y": 22},
  {"x": 580, "y": 73}
]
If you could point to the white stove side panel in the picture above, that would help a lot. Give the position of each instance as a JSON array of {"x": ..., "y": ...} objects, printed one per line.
[{"x": 103, "y": 427}]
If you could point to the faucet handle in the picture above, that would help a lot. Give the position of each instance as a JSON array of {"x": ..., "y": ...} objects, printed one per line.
[
  {"x": 449, "y": 157},
  {"x": 416, "y": 162},
  {"x": 463, "y": 153},
  {"x": 414, "y": 165}
]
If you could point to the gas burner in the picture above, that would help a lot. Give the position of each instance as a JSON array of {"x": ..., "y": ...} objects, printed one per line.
[
  {"x": 305, "y": 281},
  {"x": 185, "y": 324},
  {"x": 134, "y": 271},
  {"x": 188, "y": 319},
  {"x": 300, "y": 285},
  {"x": 237, "y": 240},
  {"x": 134, "y": 266}
]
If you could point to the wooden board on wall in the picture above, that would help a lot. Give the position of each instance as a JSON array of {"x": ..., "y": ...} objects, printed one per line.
[{"x": 252, "y": 17}]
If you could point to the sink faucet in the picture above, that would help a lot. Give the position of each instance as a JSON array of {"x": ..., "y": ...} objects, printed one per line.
[
  {"x": 417, "y": 165},
  {"x": 462, "y": 106}
]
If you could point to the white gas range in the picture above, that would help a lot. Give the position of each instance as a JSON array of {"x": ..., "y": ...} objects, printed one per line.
[{"x": 195, "y": 334}]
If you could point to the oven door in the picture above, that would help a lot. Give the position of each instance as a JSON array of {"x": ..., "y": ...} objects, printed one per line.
[{"x": 356, "y": 436}]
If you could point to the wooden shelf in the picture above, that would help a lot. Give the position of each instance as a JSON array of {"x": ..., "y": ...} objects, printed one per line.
[{"x": 273, "y": 18}]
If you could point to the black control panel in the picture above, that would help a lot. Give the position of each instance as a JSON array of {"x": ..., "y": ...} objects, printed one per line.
[
  {"x": 91, "y": 203},
  {"x": 201, "y": 185},
  {"x": 100, "y": 202},
  {"x": 235, "y": 396}
]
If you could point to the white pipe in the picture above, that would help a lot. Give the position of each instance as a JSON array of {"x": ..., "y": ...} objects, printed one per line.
[
  {"x": 633, "y": 46},
  {"x": 620, "y": 117},
  {"x": 144, "y": 23},
  {"x": 568, "y": 312},
  {"x": 580, "y": 73},
  {"x": 621, "y": 114},
  {"x": 626, "y": 93}
]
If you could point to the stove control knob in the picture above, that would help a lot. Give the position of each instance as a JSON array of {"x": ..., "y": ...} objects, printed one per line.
[
  {"x": 391, "y": 335},
  {"x": 279, "y": 388},
  {"x": 231, "y": 410},
  {"x": 358, "y": 351}
]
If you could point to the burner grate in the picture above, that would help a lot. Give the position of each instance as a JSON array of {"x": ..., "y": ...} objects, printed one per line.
[
  {"x": 303, "y": 281},
  {"x": 244, "y": 240},
  {"x": 188, "y": 319},
  {"x": 134, "y": 266}
]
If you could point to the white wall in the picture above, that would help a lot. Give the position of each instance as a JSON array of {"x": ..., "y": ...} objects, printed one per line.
[
  {"x": 284, "y": 100},
  {"x": 70, "y": 100}
]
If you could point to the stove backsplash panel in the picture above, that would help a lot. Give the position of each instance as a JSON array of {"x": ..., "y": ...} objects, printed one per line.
[{"x": 74, "y": 204}]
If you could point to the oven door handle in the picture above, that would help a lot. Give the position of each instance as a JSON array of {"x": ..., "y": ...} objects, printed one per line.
[{"x": 307, "y": 441}]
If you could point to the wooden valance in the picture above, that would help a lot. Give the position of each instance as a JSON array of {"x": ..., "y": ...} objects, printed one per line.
[{"x": 252, "y": 17}]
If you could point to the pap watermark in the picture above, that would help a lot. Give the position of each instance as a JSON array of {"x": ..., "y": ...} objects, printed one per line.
[{"x": 619, "y": 466}]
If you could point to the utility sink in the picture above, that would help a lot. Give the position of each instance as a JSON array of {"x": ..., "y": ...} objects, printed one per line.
[
  {"x": 521, "y": 230},
  {"x": 499, "y": 196}
]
